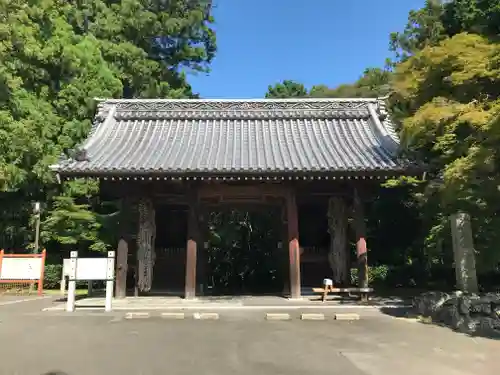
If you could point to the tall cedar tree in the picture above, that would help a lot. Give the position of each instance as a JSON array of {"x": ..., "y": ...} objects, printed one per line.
[{"x": 55, "y": 58}]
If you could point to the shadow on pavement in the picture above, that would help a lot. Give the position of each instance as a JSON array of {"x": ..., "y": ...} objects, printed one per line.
[
  {"x": 397, "y": 312},
  {"x": 65, "y": 298}
]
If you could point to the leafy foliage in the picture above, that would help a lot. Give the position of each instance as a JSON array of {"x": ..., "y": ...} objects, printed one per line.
[
  {"x": 242, "y": 255},
  {"x": 444, "y": 98},
  {"x": 78, "y": 219},
  {"x": 440, "y": 19},
  {"x": 450, "y": 94},
  {"x": 55, "y": 58},
  {"x": 446, "y": 102},
  {"x": 373, "y": 83},
  {"x": 287, "y": 89}
]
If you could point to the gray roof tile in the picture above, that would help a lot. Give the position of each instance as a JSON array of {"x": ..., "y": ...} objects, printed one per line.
[{"x": 237, "y": 136}]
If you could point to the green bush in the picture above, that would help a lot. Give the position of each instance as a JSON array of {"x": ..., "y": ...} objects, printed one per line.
[
  {"x": 376, "y": 275},
  {"x": 52, "y": 276}
]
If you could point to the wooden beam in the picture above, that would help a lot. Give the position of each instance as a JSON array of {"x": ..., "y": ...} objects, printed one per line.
[
  {"x": 243, "y": 192},
  {"x": 293, "y": 243}
]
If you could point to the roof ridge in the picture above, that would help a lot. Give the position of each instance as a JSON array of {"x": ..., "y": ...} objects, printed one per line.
[
  {"x": 264, "y": 105},
  {"x": 239, "y": 100}
]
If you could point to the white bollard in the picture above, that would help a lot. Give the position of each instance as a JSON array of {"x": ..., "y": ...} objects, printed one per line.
[
  {"x": 110, "y": 281},
  {"x": 70, "y": 303},
  {"x": 63, "y": 285},
  {"x": 109, "y": 296}
]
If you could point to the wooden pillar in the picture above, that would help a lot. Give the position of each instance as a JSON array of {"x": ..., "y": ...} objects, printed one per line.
[
  {"x": 191, "y": 248},
  {"x": 293, "y": 244},
  {"x": 121, "y": 269},
  {"x": 361, "y": 248}
]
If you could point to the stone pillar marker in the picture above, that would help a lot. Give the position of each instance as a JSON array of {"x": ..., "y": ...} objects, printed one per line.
[{"x": 463, "y": 253}]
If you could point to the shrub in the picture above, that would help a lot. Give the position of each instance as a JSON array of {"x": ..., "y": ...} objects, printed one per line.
[
  {"x": 52, "y": 276},
  {"x": 376, "y": 275}
]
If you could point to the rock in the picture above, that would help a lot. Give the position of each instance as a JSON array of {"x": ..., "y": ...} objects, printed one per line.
[
  {"x": 449, "y": 314},
  {"x": 493, "y": 297},
  {"x": 429, "y": 303},
  {"x": 464, "y": 305},
  {"x": 464, "y": 312},
  {"x": 485, "y": 326}
]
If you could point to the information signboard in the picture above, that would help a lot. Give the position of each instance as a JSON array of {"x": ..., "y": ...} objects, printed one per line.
[{"x": 21, "y": 268}]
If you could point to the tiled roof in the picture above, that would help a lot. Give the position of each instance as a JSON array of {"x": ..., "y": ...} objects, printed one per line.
[{"x": 237, "y": 136}]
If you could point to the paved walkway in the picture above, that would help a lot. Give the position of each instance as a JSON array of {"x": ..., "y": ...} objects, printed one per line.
[
  {"x": 6, "y": 300},
  {"x": 225, "y": 303},
  {"x": 35, "y": 342}
]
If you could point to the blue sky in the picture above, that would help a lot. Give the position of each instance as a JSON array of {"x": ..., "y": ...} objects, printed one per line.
[{"x": 261, "y": 42}]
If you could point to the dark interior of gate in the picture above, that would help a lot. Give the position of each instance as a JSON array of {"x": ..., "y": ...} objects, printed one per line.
[
  {"x": 170, "y": 249},
  {"x": 245, "y": 253},
  {"x": 244, "y": 249}
]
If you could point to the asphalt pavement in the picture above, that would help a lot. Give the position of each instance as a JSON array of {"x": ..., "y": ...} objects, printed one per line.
[{"x": 84, "y": 343}]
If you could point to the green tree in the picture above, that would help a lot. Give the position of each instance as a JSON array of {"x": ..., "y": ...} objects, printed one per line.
[
  {"x": 473, "y": 16},
  {"x": 286, "y": 89},
  {"x": 424, "y": 28},
  {"x": 449, "y": 93},
  {"x": 444, "y": 100},
  {"x": 440, "y": 19},
  {"x": 55, "y": 58},
  {"x": 373, "y": 83}
]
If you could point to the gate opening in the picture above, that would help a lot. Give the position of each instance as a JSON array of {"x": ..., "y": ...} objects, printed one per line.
[{"x": 245, "y": 254}]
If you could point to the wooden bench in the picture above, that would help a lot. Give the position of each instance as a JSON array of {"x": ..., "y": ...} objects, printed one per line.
[{"x": 363, "y": 292}]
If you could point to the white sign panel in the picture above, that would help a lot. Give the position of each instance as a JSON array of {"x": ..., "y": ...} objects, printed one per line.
[
  {"x": 92, "y": 269},
  {"x": 21, "y": 268},
  {"x": 66, "y": 267}
]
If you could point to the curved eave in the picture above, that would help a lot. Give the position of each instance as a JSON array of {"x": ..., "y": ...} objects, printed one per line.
[{"x": 228, "y": 176}]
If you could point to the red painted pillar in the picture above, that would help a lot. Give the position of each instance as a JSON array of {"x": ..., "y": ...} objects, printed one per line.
[{"x": 293, "y": 245}]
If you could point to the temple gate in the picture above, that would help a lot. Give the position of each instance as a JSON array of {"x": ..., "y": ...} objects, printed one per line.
[{"x": 293, "y": 154}]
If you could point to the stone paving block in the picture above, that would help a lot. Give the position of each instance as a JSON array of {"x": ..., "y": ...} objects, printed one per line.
[
  {"x": 137, "y": 315},
  {"x": 206, "y": 316},
  {"x": 312, "y": 316},
  {"x": 346, "y": 316},
  {"x": 173, "y": 315},
  {"x": 277, "y": 316}
]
